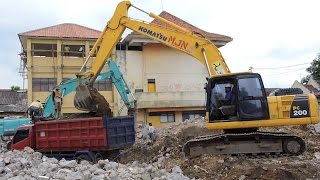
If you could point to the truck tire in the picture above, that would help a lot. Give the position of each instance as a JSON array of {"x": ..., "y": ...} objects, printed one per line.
[
  {"x": 114, "y": 155},
  {"x": 9, "y": 145},
  {"x": 83, "y": 157}
]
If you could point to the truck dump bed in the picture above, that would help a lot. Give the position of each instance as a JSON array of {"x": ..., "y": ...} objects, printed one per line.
[{"x": 84, "y": 134}]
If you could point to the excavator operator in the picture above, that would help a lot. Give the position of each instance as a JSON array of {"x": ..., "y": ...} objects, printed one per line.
[
  {"x": 228, "y": 97},
  {"x": 222, "y": 95}
]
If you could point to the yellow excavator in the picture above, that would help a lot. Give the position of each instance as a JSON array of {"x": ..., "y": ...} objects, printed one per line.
[{"x": 236, "y": 102}]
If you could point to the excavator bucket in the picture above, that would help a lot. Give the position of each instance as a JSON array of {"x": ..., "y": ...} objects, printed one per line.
[
  {"x": 88, "y": 98},
  {"x": 83, "y": 99}
]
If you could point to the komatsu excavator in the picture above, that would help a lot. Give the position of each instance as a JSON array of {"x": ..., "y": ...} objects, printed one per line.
[{"x": 236, "y": 102}]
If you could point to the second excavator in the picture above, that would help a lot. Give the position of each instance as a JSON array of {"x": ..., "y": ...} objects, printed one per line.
[{"x": 235, "y": 102}]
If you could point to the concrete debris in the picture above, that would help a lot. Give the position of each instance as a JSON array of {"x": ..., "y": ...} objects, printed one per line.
[
  {"x": 163, "y": 159},
  {"x": 21, "y": 165},
  {"x": 166, "y": 151}
]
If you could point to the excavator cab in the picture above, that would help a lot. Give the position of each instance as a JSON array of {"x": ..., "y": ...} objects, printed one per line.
[{"x": 236, "y": 97}]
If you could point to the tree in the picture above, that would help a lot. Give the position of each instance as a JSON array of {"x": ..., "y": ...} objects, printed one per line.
[
  {"x": 314, "y": 69},
  {"x": 305, "y": 80},
  {"x": 15, "y": 88}
]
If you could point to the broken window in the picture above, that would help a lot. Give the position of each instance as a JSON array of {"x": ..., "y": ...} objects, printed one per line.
[
  {"x": 73, "y": 50},
  {"x": 43, "y": 84},
  {"x": 44, "y": 50}
]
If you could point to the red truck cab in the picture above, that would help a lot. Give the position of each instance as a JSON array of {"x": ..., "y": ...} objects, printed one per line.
[{"x": 23, "y": 137}]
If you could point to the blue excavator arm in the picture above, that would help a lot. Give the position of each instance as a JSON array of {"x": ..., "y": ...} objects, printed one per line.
[{"x": 70, "y": 85}]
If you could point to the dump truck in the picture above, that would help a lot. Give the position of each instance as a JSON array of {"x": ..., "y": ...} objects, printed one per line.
[{"x": 81, "y": 139}]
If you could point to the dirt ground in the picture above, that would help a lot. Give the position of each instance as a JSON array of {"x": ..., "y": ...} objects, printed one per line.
[{"x": 170, "y": 141}]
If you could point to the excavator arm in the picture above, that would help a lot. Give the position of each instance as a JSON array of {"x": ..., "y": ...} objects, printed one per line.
[
  {"x": 175, "y": 36},
  {"x": 71, "y": 84}
]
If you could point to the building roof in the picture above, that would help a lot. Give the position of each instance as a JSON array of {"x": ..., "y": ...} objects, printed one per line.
[
  {"x": 65, "y": 30},
  {"x": 12, "y": 101},
  {"x": 190, "y": 27},
  {"x": 311, "y": 88},
  {"x": 218, "y": 39}
]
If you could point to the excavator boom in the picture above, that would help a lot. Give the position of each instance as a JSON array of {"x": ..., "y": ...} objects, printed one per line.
[{"x": 176, "y": 37}]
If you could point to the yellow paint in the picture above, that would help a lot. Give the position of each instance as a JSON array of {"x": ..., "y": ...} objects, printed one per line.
[
  {"x": 57, "y": 67},
  {"x": 279, "y": 109},
  {"x": 262, "y": 123},
  {"x": 151, "y": 87},
  {"x": 155, "y": 120}
]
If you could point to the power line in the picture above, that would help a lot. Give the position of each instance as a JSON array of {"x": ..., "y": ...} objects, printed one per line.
[
  {"x": 283, "y": 66},
  {"x": 284, "y": 72}
]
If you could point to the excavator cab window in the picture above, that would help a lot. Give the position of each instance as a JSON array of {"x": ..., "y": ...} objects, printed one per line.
[
  {"x": 237, "y": 97},
  {"x": 222, "y": 100},
  {"x": 252, "y": 101}
]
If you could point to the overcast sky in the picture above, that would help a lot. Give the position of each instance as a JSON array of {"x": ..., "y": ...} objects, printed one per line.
[{"x": 266, "y": 33}]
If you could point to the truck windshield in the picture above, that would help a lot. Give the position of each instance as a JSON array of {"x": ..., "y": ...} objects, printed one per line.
[{"x": 20, "y": 135}]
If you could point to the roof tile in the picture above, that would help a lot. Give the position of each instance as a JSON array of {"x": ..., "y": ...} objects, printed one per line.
[
  {"x": 12, "y": 101},
  {"x": 66, "y": 30},
  {"x": 190, "y": 27}
]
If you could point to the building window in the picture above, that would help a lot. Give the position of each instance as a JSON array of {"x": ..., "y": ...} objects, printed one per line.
[
  {"x": 95, "y": 53},
  {"x": 103, "y": 85},
  {"x": 151, "y": 85},
  {"x": 165, "y": 117},
  {"x": 73, "y": 50},
  {"x": 121, "y": 46},
  {"x": 43, "y": 84},
  {"x": 44, "y": 50},
  {"x": 193, "y": 114}
]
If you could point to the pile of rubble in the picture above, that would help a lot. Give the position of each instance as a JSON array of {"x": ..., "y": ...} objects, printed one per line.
[
  {"x": 170, "y": 140},
  {"x": 163, "y": 159},
  {"x": 27, "y": 164}
]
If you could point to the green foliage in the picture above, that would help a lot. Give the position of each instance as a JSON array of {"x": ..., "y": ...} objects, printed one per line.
[
  {"x": 15, "y": 88},
  {"x": 305, "y": 80},
  {"x": 314, "y": 69}
]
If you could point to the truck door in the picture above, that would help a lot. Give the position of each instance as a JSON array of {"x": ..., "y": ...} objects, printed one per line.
[{"x": 21, "y": 139}]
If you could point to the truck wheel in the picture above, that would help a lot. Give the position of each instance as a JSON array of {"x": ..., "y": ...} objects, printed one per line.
[
  {"x": 83, "y": 157},
  {"x": 114, "y": 155},
  {"x": 98, "y": 157},
  {"x": 9, "y": 145}
]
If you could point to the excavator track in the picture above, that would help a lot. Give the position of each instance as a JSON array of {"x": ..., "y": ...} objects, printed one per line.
[{"x": 252, "y": 144}]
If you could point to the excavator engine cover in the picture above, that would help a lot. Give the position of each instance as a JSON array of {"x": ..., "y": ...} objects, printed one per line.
[{"x": 88, "y": 98}]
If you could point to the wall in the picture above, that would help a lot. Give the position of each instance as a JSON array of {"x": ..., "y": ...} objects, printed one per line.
[
  {"x": 313, "y": 83},
  {"x": 172, "y": 70},
  {"x": 59, "y": 67},
  {"x": 296, "y": 84}
]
